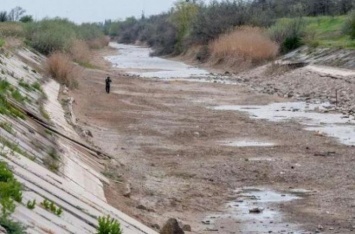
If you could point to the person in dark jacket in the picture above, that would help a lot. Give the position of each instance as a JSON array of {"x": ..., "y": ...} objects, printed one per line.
[{"x": 108, "y": 84}]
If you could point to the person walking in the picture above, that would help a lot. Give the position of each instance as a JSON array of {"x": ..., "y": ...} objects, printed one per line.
[{"x": 108, "y": 84}]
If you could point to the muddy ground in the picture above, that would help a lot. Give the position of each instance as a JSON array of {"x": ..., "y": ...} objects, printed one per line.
[{"x": 166, "y": 141}]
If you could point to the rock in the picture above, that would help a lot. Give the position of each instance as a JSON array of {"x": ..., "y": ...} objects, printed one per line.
[
  {"x": 172, "y": 227},
  {"x": 65, "y": 90},
  {"x": 212, "y": 230},
  {"x": 128, "y": 191},
  {"x": 3, "y": 230},
  {"x": 141, "y": 207},
  {"x": 89, "y": 133},
  {"x": 325, "y": 154},
  {"x": 206, "y": 222},
  {"x": 256, "y": 210},
  {"x": 156, "y": 226},
  {"x": 186, "y": 228}
]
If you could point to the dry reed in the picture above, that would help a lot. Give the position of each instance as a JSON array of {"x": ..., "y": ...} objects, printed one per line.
[
  {"x": 60, "y": 67},
  {"x": 244, "y": 44}
]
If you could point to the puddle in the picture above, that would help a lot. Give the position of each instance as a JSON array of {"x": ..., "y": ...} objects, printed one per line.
[
  {"x": 261, "y": 159},
  {"x": 238, "y": 218},
  {"x": 248, "y": 143},
  {"x": 137, "y": 61},
  {"x": 333, "y": 125}
]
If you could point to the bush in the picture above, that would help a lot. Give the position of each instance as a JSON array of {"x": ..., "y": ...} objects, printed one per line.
[
  {"x": 10, "y": 191},
  {"x": 245, "y": 43},
  {"x": 98, "y": 43},
  {"x": 288, "y": 33},
  {"x": 31, "y": 204},
  {"x": 12, "y": 227},
  {"x": 107, "y": 225},
  {"x": 80, "y": 51},
  {"x": 51, "y": 206},
  {"x": 92, "y": 35},
  {"x": 349, "y": 26},
  {"x": 51, "y": 35},
  {"x": 60, "y": 67}
]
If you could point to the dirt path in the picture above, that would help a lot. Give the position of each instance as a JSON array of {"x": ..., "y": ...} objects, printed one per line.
[{"x": 167, "y": 142}]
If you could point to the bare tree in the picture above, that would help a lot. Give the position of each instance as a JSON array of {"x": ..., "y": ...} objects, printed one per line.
[{"x": 16, "y": 13}]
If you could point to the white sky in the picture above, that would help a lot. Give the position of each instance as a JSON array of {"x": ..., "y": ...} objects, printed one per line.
[{"x": 88, "y": 10}]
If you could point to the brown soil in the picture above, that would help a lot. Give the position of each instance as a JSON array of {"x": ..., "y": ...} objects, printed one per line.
[{"x": 166, "y": 142}]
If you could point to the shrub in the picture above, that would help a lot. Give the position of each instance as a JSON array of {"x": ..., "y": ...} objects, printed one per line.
[
  {"x": 108, "y": 225},
  {"x": 50, "y": 35},
  {"x": 80, "y": 51},
  {"x": 25, "y": 85},
  {"x": 31, "y": 204},
  {"x": 37, "y": 86},
  {"x": 246, "y": 43},
  {"x": 288, "y": 33},
  {"x": 98, "y": 43},
  {"x": 45, "y": 204},
  {"x": 59, "y": 211},
  {"x": 12, "y": 227},
  {"x": 51, "y": 206},
  {"x": 26, "y": 19},
  {"x": 349, "y": 26},
  {"x": 17, "y": 96},
  {"x": 10, "y": 191},
  {"x": 60, "y": 67}
]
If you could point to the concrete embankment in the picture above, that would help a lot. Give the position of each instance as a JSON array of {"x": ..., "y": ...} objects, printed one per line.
[{"x": 47, "y": 156}]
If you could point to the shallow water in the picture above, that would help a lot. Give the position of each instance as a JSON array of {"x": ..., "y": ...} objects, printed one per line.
[
  {"x": 237, "y": 215},
  {"x": 248, "y": 143},
  {"x": 334, "y": 125},
  {"x": 136, "y": 60}
]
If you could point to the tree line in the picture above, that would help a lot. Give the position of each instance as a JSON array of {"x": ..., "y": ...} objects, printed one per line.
[
  {"x": 16, "y": 14},
  {"x": 190, "y": 23}
]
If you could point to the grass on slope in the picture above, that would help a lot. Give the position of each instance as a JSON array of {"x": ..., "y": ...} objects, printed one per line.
[
  {"x": 327, "y": 31},
  {"x": 324, "y": 31}
]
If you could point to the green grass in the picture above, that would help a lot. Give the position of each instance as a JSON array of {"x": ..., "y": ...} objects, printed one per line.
[
  {"x": 4, "y": 86},
  {"x": 7, "y": 109},
  {"x": 18, "y": 96},
  {"x": 25, "y": 85},
  {"x": 37, "y": 86},
  {"x": 7, "y": 127},
  {"x": 2, "y": 42},
  {"x": 326, "y": 31},
  {"x": 13, "y": 146}
]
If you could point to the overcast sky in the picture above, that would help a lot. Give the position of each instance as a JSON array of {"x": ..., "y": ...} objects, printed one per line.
[{"x": 88, "y": 10}]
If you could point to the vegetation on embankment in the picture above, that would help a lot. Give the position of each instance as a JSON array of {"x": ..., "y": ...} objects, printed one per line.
[
  {"x": 194, "y": 24},
  {"x": 59, "y": 39},
  {"x": 10, "y": 194}
]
